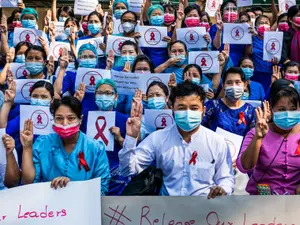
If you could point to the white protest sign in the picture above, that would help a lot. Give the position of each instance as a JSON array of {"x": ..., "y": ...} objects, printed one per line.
[
  {"x": 94, "y": 41},
  {"x": 297, "y": 85},
  {"x": 9, "y": 3},
  {"x": 207, "y": 60},
  {"x": 84, "y": 8},
  {"x": 39, "y": 204},
  {"x": 152, "y": 36},
  {"x": 69, "y": 69},
  {"x": 135, "y": 5},
  {"x": 99, "y": 123},
  {"x": 90, "y": 77},
  {"x": 237, "y": 33},
  {"x": 192, "y": 37},
  {"x": 147, "y": 79},
  {"x": 59, "y": 30},
  {"x": 284, "y": 5},
  {"x": 23, "y": 87},
  {"x": 158, "y": 119},
  {"x": 18, "y": 70},
  {"x": 233, "y": 141},
  {"x": 115, "y": 43},
  {"x": 242, "y": 3},
  {"x": 212, "y": 6},
  {"x": 272, "y": 45},
  {"x": 118, "y": 29},
  {"x": 40, "y": 116},
  {"x": 28, "y": 35},
  {"x": 56, "y": 49},
  {"x": 254, "y": 103},
  {"x": 205, "y": 87}
]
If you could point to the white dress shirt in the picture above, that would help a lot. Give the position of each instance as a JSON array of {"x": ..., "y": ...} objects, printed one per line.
[{"x": 213, "y": 164}]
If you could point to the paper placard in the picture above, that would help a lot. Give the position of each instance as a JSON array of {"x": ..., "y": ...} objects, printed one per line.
[
  {"x": 207, "y": 60},
  {"x": 28, "y": 35},
  {"x": 152, "y": 36},
  {"x": 115, "y": 43},
  {"x": 56, "y": 49},
  {"x": 212, "y": 6},
  {"x": 90, "y": 77},
  {"x": 192, "y": 37},
  {"x": 39, "y": 204},
  {"x": 84, "y": 8},
  {"x": 9, "y": 3},
  {"x": 158, "y": 119},
  {"x": 233, "y": 141},
  {"x": 205, "y": 87},
  {"x": 243, "y": 3},
  {"x": 99, "y": 123},
  {"x": 94, "y": 41},
  {"x": 135, "y": 5},
  {"x": 40, "y": 116},
  {"x": 272, "y": 45},
  {"x": 237, "y": 33},
  {"x": 254, "y": 103},
  {"x": 23, "y": 87},
  {"x": 18, "y": 70},
  {"x": 284, "y": 5},
  {"x": 59, "y": 31}
]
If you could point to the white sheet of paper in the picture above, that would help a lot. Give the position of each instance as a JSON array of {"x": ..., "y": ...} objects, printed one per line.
[
  {"x": 236, "y": 33},
  {"x": 94, "y": 41},
  {"x": 40, "y": 116},
  {"x": 60, "y": 31},
  {"x": 90, "y": 77},
  {"x": 22, "y": 90},
  {"x": 234, "y": 142},
  {"x": 205, "y": 87},
  {"x": 147, "y": 79},
  {"x": 118, "y": 29},
  {"x": 207, "y": 60},
  {"x": 242, "y": 3},
  {"x": 284, "y": 5},
  {"x": 99, "y": 123},
  {"x": 152, "y": 36},
  {"x": 192, "y": 37},
  {"x": 18, "y": 70},
  {"x": 272, "y": 45},
  {"x": 158, "y": 119},
  {"x": 28, "y": 35},
  {"x": 135, "y": 5},
  {"x": 56, "y": 49},
  {"x": 2, "y": 149},
  {"x": 254, "y": 103},
  {"x": 9, "y": 3},
  {"x": 212, "y": 6},
  {"x": 115, "y": 42},
  {"x": 84, "y": 8}
]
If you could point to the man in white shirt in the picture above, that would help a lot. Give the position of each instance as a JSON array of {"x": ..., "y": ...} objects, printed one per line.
[{"x": 194, "y": 160}]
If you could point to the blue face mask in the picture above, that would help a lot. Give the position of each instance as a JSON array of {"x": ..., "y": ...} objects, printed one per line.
[
  {"x": 40, "y": 102},
  {"x": 182, "y": 58},
  {"x": 245, "y": 96},
  {"x": 105, "y": 102},
  {"x": 156, "y": 103},
  {"x": 127, "y": 58},
  {"x": 157, "y": 20},
  {"x": 286, "y": 120},
  {"x": 88, "y": 63},
  {"x": 196, "y": 81},
  {"x": 34, "y": 68},
  {"x": 94, "y": 28},
  {"x": 68, "y": 31},
  {"x": 118, "y": 13},
  {"x": 1, "y": 99},
  {"x": 248, "y": 73},
  {"x": 188, "y": 120},
  {"x": 20, "y": 58},
  {"x": 29, "y": 24},
  {"x": 62, "y": 19}
]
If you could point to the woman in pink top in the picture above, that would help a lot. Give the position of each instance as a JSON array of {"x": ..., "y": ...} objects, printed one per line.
[{"x": 271, "y": 151}]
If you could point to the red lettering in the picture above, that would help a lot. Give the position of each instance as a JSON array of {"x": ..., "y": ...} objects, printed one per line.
[
  {"x": 50, "y": 214},
  {"x": 20, "y": 209},
  {"x": 171, "y": 222},
  {"x": 230, "y": 223},
  {"x": 44, "y": 214},
  {"x": 145, "y": 215},
  {"x": 192, "y": 222},
  {"x": 212, "y": 220},
  {"x": 155, "y": 221},
  {"x": 33, "y": 214},
  {"x": 26, "y": 215},
  {"x": 64, "y": 212},
  {"x": 3, "y": 217},
  {"x": 178, "y": 223}
]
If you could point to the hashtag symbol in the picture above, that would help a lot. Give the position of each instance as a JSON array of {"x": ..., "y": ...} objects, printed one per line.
[{"x": 116, "y": 213}]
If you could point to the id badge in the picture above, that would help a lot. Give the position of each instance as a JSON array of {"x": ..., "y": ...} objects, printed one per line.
[{"x": 263, "y": 189}]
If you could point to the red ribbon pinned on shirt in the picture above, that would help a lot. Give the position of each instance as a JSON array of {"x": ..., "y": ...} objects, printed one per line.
[
  {"x": 242, "y": 118},
  {"x": 193, "y": 159},
  {"x": 297, "y": 152},
  {"x": 101, "y": 130},
  {"x": 82, "y": 162}
]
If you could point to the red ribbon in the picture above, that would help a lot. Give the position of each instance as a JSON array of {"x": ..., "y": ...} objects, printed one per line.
[
  {"x": 191, "y": 37},
  {"x": 101, "y": 130},
  {"x": 213, "y": 4},
  {"x": 25, "y": 73},
  {"x": 152, "y": 36},
  {"x": 60, "y": 51},
  {"x": 39, "y": 118},
  {"x": 27, "y": 38},
  {"x": 237, "y": 33},
  {"x": 193, "y": 159},
  {"x": 82, "y": 162},
  {"x": 120, "y": 45},
  {"x": 163, "y": 122},
  {"x": 203, "y": 62},
  {"x": 273, "y": 46},
  {"x": 286, "y": 7},
  {"x": 242, "y": 118},
  {"x": 297, "y": 152},
  {"x": 92, "y": 80}
]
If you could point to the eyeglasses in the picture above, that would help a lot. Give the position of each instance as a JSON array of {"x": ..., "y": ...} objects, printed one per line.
[
  {"x": 109, "y": 93},
  {"x": 230, "y": 8}
]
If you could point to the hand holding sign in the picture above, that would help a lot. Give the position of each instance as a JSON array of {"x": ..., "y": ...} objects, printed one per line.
[
  {"x": 216, "y": 191},
  {"x": 47, "y": 18},
  {"x": 80, "y": 92},
  {"x": 9, "y": 144},
  {"x": 110, "y": 59},
  {"x": 115, "y": 131},
  {"x": 26, "y": 136},
  {"x": 59, "y": 182},
  {"x": 276, "y": 73}
]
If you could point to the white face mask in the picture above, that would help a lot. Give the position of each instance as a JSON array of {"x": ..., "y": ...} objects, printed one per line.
[{"x": 128, "y": 27}]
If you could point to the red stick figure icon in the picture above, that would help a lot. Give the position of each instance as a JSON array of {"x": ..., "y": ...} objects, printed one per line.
[
  {"x": 163, "y": 122},
  {"x": 286, "y": 7},
  {"x": 152, "y": 36},
  {"x": 39, "y": 119},
  {"x": 60, "y": 51},
  {"x": 237, "y": 33},
  {"x": 27, "y": 38},
  {"x": 24, "y": 73},
  {"x": 203, "y": 62},
  {"x": 273, "y": 46},
  {"x": 92, "y": 81},
  {"x": 213, "y": 5},
  {"x": 191, "y": 37},
  {"x": 120, "y": 45}
]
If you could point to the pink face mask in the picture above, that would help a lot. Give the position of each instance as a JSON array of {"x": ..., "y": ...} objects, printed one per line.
[
  {"x": 290, "y": 76},
  {"x": 16, "y": 24},
  {"x": 169, "y": 18},
  {"x": 230, "y": 17},
  {"x": 297, "y": 21},
  {"x": 262, "y": 29},
  {"x": 66, "y": 131},
  {"x": 284, "y": 26},
  {"x": 206, "y": 25},
  {"x": 192, "y": 21}
]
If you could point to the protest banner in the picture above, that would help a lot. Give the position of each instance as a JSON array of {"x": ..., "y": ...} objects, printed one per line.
[
  {"x": 272, "y": 45},
  {"x": 192, "y": 37},
  {"x": 84, "y": 8},
  {"x": 237, "y": 33},
  {"x": 135, "y": 5}
]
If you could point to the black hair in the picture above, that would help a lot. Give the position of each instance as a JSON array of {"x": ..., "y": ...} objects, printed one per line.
[
  {"x": 72, "y": 19},
  {"x": 244, "y": 14},
  {"x": 37, "y": 48},
  {"x": 143, "y": 58},
  {"x": 128, "y": 42},
  {"x": 180, "y": 42},
  {"x": 234, "y": 70},
  {"x": 43, "y": 84},
  {"x": 66, "y": 9},
  {"x": 290, "y": 64},
  {"x": 95, "y": 13},
  {"x": 130, "y": 12},
  {"x": 13, "y": 14},
  {"x": 166, "y": 6},
  {"x": 280, "y": 17},
  {"x": 159, "y": 84},
  {"x": 257, "y": 8},
  {"x": 225, "y": 4},
  {"x": 21, "y": 44},
  {"x": 249, "y": 10},
  {"x": 191, "y": 66},
  {"x": 284, "y": 92},
  {"x": 260, "y": 17},
  {"x": 244, "y": 58},
  {"x": 191, "y": 8},
  {"x": 203, "y": 13},
  {"x": 187, "y": 88},
  {"x": 73, "y": 103}
]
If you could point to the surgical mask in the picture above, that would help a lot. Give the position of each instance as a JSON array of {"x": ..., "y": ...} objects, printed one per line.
[
  {"x": 156, "y": 103},
  {"x": 128, "y": 27},
  {"x": 127, "y": 58},
  {"x": 105, "y": 102},
  {"x": 196, "y": 81},
  {"x": 206, "y": 25},
  {"x": 286, "y": 120},
  {"x": 71, "y": 66},
  {"x": 88, "y": 63},
  {"x": 68, "y": 31},
  {"x": 284, "y": 26},
  {"x": 142, "y": 71},
  {"x": 118, "y": 13},
  {"x": 290, "y": 76},
  {"x": 157, "y": 20},
  {"x": 188, "y": 120},
  {"x": 230, "y": 17},
  {"x": 234, "y": 93},
  {"x": 1, "y": 99},
  {"x": 40, "y": 102},
  {"x": 245, "y": 96},
  {"x": 261, "y": 29},
  {"x": 29, "y": 24},
  {"x": 94, "y": 28},
  {"x": 297, "y": 21},
  {"x": 182, "y": 58},
  {"x": 34, "y": 68},
  {"x": 66, "y": 131},
  {"x": 20, "y": 58},
  {"x": 248, "y": 72},
  {"x": 62, "y": 19},
  {"x": 192, "y": 21},
  {"x": 169, "y": 18}
]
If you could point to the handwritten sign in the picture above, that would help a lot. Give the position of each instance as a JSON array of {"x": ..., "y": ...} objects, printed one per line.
[
  {"x": 284, "y": 5},
  {"x": 56, "y": 49},
  {"x": 192, "y": 37},
  {"x": 18, "y": 70},
  {"x": 84, "y": 8},
  {"x": 40, "y": 116},
  {"x": 115, "y": 43},
  {"x": 8, "y": 3},
  {"x": 212, "y": 6},
  {"x": 207, "y": 60},
  {"x": 27, "y": 35},
  {"x": 59, "y": 31},
  {"x": 94, "y": 41},
  {"x": 237, "y": 33},
  {"x": 272, "y": 45},
  {"x": 23, "y": 88},
  {"x": 158, "y": 119},
  {"x": 135, "y": 5},
  {"x": 152, "y": 36},
  {"x": 242, "y": 3},
  {"x": 90, "y": 77},
  {"x": 99, "y": 123}
]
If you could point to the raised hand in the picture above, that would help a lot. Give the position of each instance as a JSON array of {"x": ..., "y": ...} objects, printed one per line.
[
  {"x": 188, "y": 76},
  {"x": 133, "y": 124},
  {"x": 10, "y": 93},
  {"x": 64, "y": 59},
  {"x": 180, "y": 12},
  {"x": 219, "y": 22},
  {"x": 207, "y": 38},
  {"x": 21, "y": 5},
  {"x": 9, "y": 144},
  {"x": 276, "y": 75},
  {"x": 50, "y": 66},
  {"x": 261, "y": 127},
  {"x": 9, "y": 77},
  {"x": 72, "y": 36},
  {"x": 127, "y": 67},
  {"x": 80, "y": 92},
  {"x": 10, "y": 55},
  {"x": 221, "y": 58},
  {"x": 26, "y": 136},
  {"x": 172, "y": 81},
  {"x": 3, "y": 25},
  {"x": 42, "y": 41},
  {"x": 227, "y": 49},
  {"x": 110, "y": 59},
  {"x": 267, "y": 111},
  {"x": 115, "y": 131},
  {"x": 47, "y": 18},
  {"x": 99, "y": 10}
]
